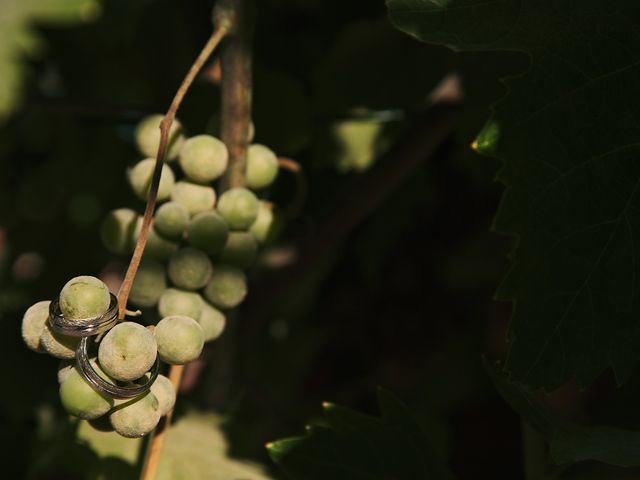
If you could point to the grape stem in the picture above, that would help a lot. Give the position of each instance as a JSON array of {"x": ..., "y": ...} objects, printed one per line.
[{"x": 294, "y": 167}]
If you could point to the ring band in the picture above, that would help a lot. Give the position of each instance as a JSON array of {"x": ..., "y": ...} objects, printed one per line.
[
  {"x": 107, "y": 388},
  {"x": 84, "y": 327}
]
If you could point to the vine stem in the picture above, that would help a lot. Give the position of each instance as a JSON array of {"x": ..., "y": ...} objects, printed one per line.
[{"x": 175, "y": 372}]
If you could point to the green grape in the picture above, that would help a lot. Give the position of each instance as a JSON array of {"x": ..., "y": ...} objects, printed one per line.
[
  {"x": 140, "y": 177},
  {"x": 227, "y": 287},
  {"x": 179, "y": 302},
  {"x": 189, "y": 268},
  {"x": 158, "y": 248},
  {"x": 263, "y": 225},
  {"x": 137, "y": 417},
  {"x": 240, "y": 250},
  {"x": 262, "y": 167},
  {"x": 149, "y": 283},
  {"x": 79, "y": 399},
  {"x": 163, "y": 390},
  {"x": 208, "y": 231},
  {"x": 58, "y": 345},
  {"x": 148, "y": 137},
  {"x": 180, "y": 339},
  {"x": 171, "y": 220},
  {"x": 203, "y": 158},
  {"x": 212, "y": 321},
  {"x": 33, "y": 324},
  {"x": 84, "y": 297},
  {"x": 196, "y": 198},
  {"x": 239, "y": 207},
  {"x": 118, "y": 231},
  {"x": 65, "y": 367},
  {"x": 127, "y": 351}
]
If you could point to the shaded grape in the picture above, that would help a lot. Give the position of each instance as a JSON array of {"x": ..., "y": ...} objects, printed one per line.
[
  {"x": 149, "y": 283},
  {"x": 171, "y": 220},
  {"x": 118, "y": 231},
  {"x": 189, "y": 268},
  {"x": 147, "y": 136},
  {"x": 203, "y": 158},
  {"x": 262, "y": 167},
  {"x": 227, "y": 287},
  {"x": 212, "y": 321},
  {"x": 240, "y": 250},
  {"x": 140, "y": 177},
  {"x": 180, "y": 339},
  {"x": 195, "y": 198},
  {"x": 65, "y": 367},
  {"x": 239, "y": 208},
  {"x": 262, "y": 227},
  {"x": 127, "y": 351},
  {"x": 208, "y": 231},
  {"x": 137, "y": 417},
  {"x": 158, "y": 248},
  {"x": 34, "y": 322},
  {"x": 58, "y": 345},
  {"x": 163, "y": 390}
]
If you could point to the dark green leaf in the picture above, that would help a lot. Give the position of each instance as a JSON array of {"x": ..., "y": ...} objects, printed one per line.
[
  {"x": 568, "y": 136},
  {"x": 348, "y": 445}
]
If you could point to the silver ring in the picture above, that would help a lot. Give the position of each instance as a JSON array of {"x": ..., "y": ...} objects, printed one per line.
[
  {"x": 84, "y": 327},
  {"x": 108, "y": 389}
]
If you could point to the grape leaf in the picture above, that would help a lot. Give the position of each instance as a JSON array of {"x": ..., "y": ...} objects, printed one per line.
[
  {"x": 18, "y": 39},
  {"x": 350, "y": 445},
  {"x": 567, "y": 133},
  {"x": 569, "y": 442}
]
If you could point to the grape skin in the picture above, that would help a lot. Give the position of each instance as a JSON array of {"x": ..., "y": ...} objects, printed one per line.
[
  {"x": 196, "y": 198},
  {"x": 263, "y": 225},
  {"x": 147, "y": 137},
  {"x": 118, "y": 231},
  {"x": 189, "y": 268},
  {"x": 137, "y": 417},
  {"x": 140, "y": 177},
  {"x": 163, "y": 390},
  {"x": 262, "y": 167},
  {"x": 239, "y": 208},
  {"x": 171, "y": 220},
  {"x": 58, "y": 345},
  {"x": 127, "y": 351},
  {"x": 240, "y": 250},
  {"x": 80, "y": 400},
  {"x": 179, "y": 302},
  {"x": 227, "y": 287},
  {"x": 84, "y": 297},
  {"x": 203, "y": 158},
  {"x": 212, "y": 321},
  {"x": 149, "y": 283},
  {"x": 33, "y": 325},
  {"x": 180, "y": 339},
  {"x": 208, "y": 231}
]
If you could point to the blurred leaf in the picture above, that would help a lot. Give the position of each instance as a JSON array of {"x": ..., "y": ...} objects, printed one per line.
[
  {"x": 569, "y": 442},
  {"x": 352, "y": 446},
  {"x": 17, "y": 38},
  {"x": 569, "y": 142}
]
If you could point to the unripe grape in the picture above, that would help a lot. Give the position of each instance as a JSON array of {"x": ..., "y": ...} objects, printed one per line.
[
  {"x": 58, "y": 345},
  {"x": 34, "y": 322},
  {"x": 101, "y": 424},
  {"x": 148, "y": 137},
  {"x": 171, "y": 220},
  {"x": 65, "y": 367},
  {"x": 158, "y": 248},
  {"x": 208, "y": 231},
  {"x": 137, "y": 417},
  {"x": 262, "y": 167},
  {"x": 212, "y": 321},
  {"x": 163, "y": 390},
  {"x": 240, "y": 250},
  {"x": 179, "y": 302},
  {"x": 79, "y": 399},
  {"x": 189, "y": 268},
  {"x": 180, "y": 339},
  {"x": 263, "y": 225},
  {"x": 227, "y": 287},
  {"x": 239, "y": 207},
  {"x": 140, "y": 177},
  {"x": 196, "y": 198},
  {"x": 118, "y": 231},
  {"x": 203, "y": 158},
  {"x": 127, "y": 351},
  {"x": 84, "y": 297},
  {"x": 149, "y": 284}
]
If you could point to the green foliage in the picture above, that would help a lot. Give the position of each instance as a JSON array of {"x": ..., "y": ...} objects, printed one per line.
[
  {"x": 351, "y": 446},
  {"x": 570, "y": 171}
]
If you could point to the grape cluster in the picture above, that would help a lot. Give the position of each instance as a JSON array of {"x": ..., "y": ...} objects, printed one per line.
[{"x": 192, "y": 271}]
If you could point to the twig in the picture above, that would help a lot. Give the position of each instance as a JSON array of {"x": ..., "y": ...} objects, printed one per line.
[
  {"x": 160, "y": 432},
  {"x": 123, "y": 295},
  {"x": 175, "y": 372}
]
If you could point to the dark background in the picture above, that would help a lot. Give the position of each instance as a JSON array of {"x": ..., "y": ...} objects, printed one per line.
[{"x": 397, "y": 294}]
